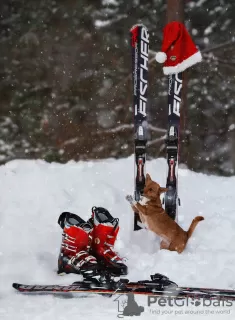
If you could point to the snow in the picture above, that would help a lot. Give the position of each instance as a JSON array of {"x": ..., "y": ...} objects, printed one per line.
[
  {"x": 109, "y": 2},
  {"x": 231, "y": 127},
  {"x": 34, "y": 193}
]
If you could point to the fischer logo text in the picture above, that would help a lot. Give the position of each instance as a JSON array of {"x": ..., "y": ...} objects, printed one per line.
[
  {"x": 177, "y": 99},
  {"x": 143, "y": 67}
]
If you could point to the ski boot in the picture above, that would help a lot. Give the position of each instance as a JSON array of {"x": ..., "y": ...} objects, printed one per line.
[
  {"x": 74, "y": 255},
  {"x": 132, "y": 308},
  {"x": 104, "y": 236}
]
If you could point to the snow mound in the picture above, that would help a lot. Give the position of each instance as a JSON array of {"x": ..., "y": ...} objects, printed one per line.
[{"x": 34, "y": 193}]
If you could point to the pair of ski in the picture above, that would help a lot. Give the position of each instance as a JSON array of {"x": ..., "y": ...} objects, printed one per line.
[
  {"x": 158, "y": 286},
  {"x": 140, "y": 52}
]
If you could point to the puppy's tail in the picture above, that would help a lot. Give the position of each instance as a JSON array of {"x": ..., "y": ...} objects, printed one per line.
[{"x": 193, "y": 225}]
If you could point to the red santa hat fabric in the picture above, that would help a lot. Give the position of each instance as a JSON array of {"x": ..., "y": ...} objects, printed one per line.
[{"x": 178, "y": 49}]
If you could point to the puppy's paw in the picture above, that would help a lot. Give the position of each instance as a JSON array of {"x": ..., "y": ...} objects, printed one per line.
[{"x": 130, "y": 199}]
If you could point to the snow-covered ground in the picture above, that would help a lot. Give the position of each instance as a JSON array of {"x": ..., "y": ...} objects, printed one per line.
[{"x": 34, "y": 193}]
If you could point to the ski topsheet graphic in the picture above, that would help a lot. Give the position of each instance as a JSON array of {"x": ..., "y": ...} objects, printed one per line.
[
  {"x": 140, "y": 49},
  {"x": 172, "y": 144}
]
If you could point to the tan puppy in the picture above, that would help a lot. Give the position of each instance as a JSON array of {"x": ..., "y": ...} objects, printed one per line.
[{"x": 157, "y": 220}]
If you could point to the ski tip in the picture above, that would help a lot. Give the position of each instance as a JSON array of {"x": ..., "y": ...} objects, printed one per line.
[
  {"x": 137, "y": 25},
  {"x": 16, "y": 285}
]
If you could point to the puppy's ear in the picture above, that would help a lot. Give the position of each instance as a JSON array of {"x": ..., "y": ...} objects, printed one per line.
[
  {"x": 162, "y": 190},
  {"x": 148, "y": 178}
]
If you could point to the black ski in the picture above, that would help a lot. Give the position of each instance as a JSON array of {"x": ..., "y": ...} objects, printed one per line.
[
  {"x": 172, "y": 144},
  {"x": 140, "y": 49},
  {"x": 158, "y": 286}
]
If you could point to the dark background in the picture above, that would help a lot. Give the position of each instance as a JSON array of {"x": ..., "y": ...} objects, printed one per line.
[{"x": 66, "y": 89}]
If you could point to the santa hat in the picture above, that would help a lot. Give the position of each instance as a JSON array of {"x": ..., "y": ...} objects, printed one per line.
[{"x": 178, "y": 49}]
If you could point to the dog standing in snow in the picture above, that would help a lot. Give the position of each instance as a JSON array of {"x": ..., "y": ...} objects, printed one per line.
[{"x": 174, "y": 238}]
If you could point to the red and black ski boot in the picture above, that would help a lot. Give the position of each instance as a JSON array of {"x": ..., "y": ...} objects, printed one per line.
[
  {"x": 74, "y": 255},
  {"x": 104, "y": 236}
]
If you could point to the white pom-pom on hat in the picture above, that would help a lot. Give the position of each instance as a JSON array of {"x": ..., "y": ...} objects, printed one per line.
[{"x": 161, "y": 57}]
